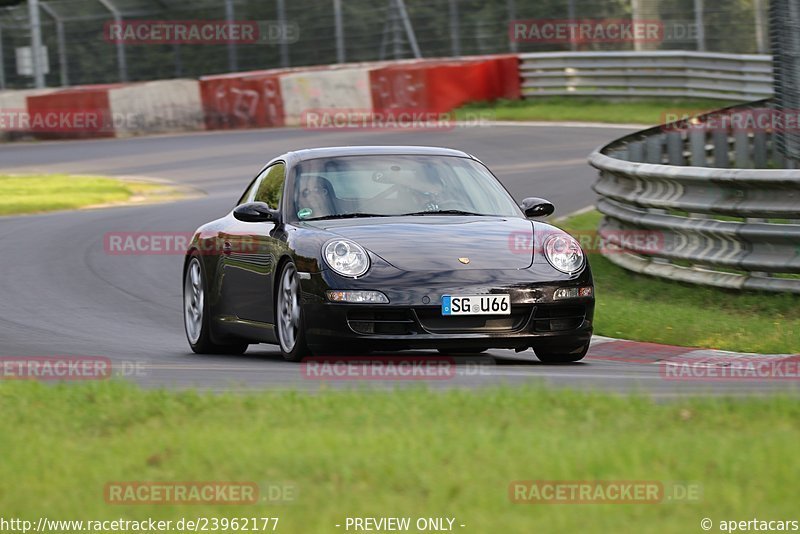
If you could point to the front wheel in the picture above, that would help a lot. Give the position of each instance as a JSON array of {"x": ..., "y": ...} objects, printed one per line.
[
  {"x": 289, "y": 315},
  {"x": 196, "y": 314},
  {"x": 561, "y": 357}
]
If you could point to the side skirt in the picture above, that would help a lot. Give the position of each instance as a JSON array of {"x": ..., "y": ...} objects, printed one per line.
[{"x": 249, "y": 330}]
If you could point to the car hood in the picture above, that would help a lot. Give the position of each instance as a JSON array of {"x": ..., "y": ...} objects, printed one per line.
[{"x": 437, "y": 243}]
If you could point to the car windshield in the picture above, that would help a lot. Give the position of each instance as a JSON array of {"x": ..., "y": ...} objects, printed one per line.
[{"x": 380, "y": 186}]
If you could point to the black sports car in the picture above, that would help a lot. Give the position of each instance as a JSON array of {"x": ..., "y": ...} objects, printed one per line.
[{"x": 359, "y": 249}]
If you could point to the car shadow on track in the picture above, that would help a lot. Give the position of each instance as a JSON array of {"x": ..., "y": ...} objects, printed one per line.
[{"x": 270, "y": 355}]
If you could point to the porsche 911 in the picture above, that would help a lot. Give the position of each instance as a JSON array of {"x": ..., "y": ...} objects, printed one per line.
[{"x": 367, "y": 249}]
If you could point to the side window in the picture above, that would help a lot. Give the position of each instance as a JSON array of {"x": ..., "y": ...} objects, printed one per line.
[
  {"x": 270, "y": 187},
  {"x": 248, "y": 193}
]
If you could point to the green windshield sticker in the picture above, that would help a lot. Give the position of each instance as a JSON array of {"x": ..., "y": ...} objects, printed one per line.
[{"x": 303, "y": 213}]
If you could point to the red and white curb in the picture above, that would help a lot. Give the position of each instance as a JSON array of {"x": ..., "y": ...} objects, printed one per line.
[{"x": 626, "y": 351}]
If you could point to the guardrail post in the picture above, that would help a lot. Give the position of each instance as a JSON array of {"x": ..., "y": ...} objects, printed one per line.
[
  {"x": 654, "y": 149},
  {"x": 675, "y": 148},
  {"x": 778, "y": 159},
  {"x": 760, "y": 149},
  {"x": 721, "y": 147},
  {"x": 697, "y": 140},
  {"x": 636, "y": 152},
  {"x": 741, "y": 143}
]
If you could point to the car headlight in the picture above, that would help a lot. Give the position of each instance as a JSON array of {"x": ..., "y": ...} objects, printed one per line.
[
  {"x": 346, "y": 257},
  {"x": 564, "y": 253}
]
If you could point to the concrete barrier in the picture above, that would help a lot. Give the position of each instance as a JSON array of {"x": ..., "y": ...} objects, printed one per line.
[
  {"x": 14, "y": 111},
  {"x": 74, "y": 113},
  {"x": 156, "y": 107},
  {"x": 242, "y": 100},
  {"x": 116, "y": 110},
  {"x": 441, "y": 86},
  {"x": 267, "y": 98},
  {"x": 346, "y": 88}
]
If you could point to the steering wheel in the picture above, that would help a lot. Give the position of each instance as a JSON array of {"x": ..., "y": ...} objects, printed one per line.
[{"x": 383, "y": 195}]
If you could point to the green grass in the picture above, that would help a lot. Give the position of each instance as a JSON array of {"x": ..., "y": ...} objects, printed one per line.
[
  {"x": 644, "y": 308},
  {"x": 403, "y": 453},
  {"x": 587, "y": 109},
  {"x": 54, "y": 192}
]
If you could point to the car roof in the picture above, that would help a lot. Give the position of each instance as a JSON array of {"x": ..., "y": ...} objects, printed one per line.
[{"x": 340, "y": 151}]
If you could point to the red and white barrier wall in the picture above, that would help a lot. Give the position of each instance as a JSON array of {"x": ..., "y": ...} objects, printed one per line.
[
  {"x": 157, "y": 107},
  {"x": 14, "y": 110},
  {"x": 440, "y": 86},
  {"x": 113, "y": 110},
  {"x": 242, "y": 100},
  {"x": 325, "y": 89},
  {"x": 260, "y": 99}
]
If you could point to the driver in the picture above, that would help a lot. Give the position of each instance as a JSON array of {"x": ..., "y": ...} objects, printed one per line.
[
  {"x": 429, "y": 194},
  {"x": 315, "y": 197}
]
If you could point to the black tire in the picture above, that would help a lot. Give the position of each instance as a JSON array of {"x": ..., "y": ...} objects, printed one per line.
[
  {"x": 201, "y": 342},
  {"x": 297, "y": 349},
  {"x": 561, "y": 357}
]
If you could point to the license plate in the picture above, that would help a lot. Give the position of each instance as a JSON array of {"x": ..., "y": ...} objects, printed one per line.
[{"x": 476, "y": 305}]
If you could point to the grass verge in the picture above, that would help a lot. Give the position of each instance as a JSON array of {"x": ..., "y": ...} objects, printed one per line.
[
  {"x": 634, "y": 306},
  {"x": 54, "y": 192},
  {"x": 586, "y": 109},
  {"x": 412, "y": 453}
]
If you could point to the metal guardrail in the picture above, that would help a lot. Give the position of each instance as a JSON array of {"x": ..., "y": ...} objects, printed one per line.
[
  {"x": 736, "y": 228},
  {"x": 657, "y": 73}
]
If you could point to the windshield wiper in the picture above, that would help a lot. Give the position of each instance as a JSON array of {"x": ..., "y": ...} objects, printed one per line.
[
  {"x": 345, "y": 216},
  {"x": 445, "y": 212}
]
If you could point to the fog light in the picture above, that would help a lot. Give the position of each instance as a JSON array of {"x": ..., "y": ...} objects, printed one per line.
[
  {"x": 369, "y": 297},
  {"x": 572, "y": 292}
]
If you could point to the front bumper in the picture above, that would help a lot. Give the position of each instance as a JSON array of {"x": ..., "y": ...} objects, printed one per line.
[{"x": 412, "y": 319}]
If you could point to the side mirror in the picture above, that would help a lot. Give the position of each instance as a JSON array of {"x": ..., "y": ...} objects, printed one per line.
[
  {"x": 537, "y": 207},
  {"x": 255, "y": 212}
]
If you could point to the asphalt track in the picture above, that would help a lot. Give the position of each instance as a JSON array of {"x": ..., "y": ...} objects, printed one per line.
[{"x": 61, "y": 294}]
